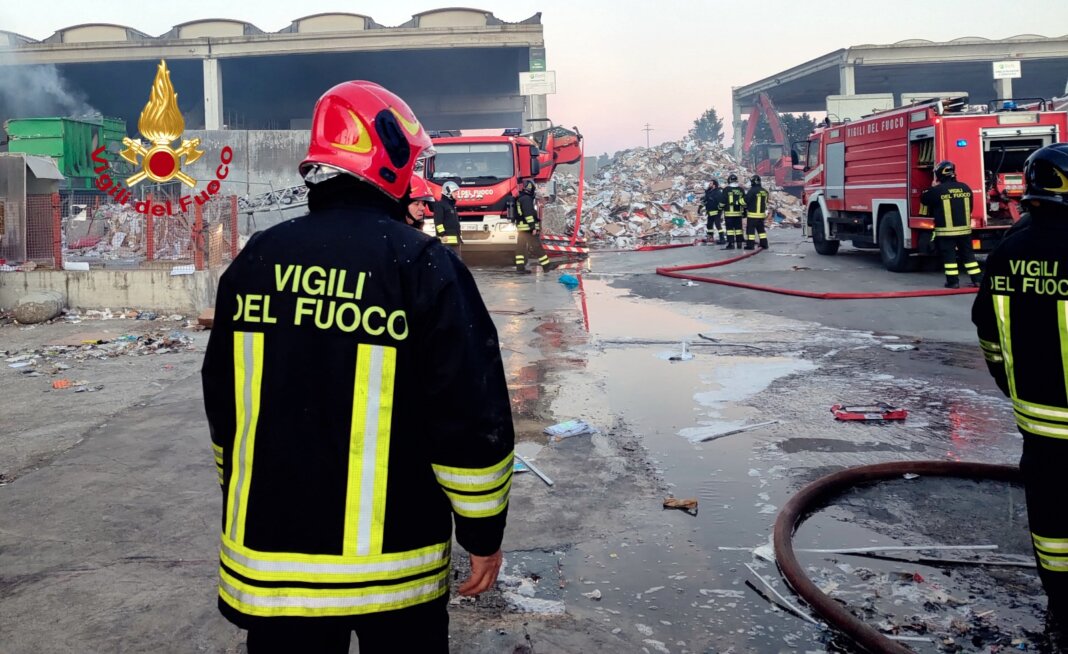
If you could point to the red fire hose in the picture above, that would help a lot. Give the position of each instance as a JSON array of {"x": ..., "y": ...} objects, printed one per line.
[
  {"x": 819, "y": 493},
  {"x": 676, "y": 272}
]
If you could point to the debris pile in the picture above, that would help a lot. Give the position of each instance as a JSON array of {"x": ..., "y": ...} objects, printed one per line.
[
  {"x": 650, "y": 193},
  {"x": 56, "y": 358}
]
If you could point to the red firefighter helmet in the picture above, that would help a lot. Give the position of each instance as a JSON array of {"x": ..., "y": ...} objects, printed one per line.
[
  {"x": 363, "y": 129},
  {"x": 421, "y": 190}
]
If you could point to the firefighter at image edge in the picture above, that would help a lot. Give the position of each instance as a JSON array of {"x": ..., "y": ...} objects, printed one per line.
[
  {"x": 950, "y": 204},
  {"x": 446, "y": 219},
  {"x": 528, "y": 226},
  {"x": 1021, "y": 315},
  {"x": 344, "y": 449},
  {"x": 756, "y": 214},
  {"x": 734, "y": 212}
]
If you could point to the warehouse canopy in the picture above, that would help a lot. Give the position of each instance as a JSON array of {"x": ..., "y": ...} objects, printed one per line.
[{"x": 916, "y": 66}]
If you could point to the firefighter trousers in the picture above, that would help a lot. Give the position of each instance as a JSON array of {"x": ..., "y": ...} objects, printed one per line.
[
  {"x": 1042, "y": 465},
  {"x": 754, "y": 229},
  {"x": 528, "y": 247},
  {"x": 421, "y": 628},
  {"x": 735, "y": 234},
  {"x": 714, "y": 229},
  {"x": 954, "y": 248}
]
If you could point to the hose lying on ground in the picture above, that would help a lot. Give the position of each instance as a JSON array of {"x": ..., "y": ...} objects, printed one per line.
[
  {"x": 677, "y": 272},
  {"x": 818, "y": 493}
]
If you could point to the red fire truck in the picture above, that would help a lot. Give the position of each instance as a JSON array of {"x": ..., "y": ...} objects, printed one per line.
[
  {"x": 490, "y": 171},
  {"x": 863, "y": 179}
]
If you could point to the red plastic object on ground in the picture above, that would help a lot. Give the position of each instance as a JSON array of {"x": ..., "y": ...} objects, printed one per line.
[{"x": 877, "y": 411}]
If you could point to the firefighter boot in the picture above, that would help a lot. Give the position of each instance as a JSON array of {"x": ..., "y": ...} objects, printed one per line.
[
  {"x": 952, "y": 282},
  {"x": 521, "y": 264},
  {"x": 763, "y": 244},
  {"x": 750, "y": 244}
]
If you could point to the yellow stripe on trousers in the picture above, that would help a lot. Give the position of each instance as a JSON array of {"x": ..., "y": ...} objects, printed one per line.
[
  {"x": 369, "y": 435},
  {"x": 248, "y": 375}
]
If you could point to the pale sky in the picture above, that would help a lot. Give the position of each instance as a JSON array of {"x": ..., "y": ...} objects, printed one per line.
[{"x": 625, "y": 63}]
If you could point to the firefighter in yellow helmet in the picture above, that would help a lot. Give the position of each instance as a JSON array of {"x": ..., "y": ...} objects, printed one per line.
[
  {"x": 1021, "y": 314},
  {"x": 334, "y": 331}
]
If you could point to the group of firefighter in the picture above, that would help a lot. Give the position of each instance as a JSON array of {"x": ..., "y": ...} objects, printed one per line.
[
  {"x": 447, "y": 220},
  {"x": 341, "y": 493},
  {"x": 728, "y": 208}
]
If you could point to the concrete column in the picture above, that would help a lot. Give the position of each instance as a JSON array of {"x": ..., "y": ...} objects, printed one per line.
[
  {"x": 739, "y": 136},
  {"x": 213, "y": 94},
  {"x": 537, "y": 106},
  {"x": 847, "y": 84},
  {"x": 1003, "y": 87}
]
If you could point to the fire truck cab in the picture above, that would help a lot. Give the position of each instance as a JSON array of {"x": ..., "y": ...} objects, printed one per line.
[{"x": 863, "y": 179}]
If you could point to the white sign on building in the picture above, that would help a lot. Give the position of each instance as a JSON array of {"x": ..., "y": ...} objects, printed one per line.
[
  {"x": 1007, "y": 70},
  {"x": 537, "y": 83}
]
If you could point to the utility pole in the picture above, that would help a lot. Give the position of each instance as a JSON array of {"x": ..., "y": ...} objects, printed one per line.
[{"x": 647, "y": 129}]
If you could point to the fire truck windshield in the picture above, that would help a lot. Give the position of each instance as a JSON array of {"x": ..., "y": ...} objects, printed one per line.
[{"x": 471, "y": 162}]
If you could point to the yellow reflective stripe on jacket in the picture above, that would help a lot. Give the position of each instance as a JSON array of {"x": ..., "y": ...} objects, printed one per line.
[
  {"x": 523, "y": 227},
  {"x": 439, "y": 228},
  {"x": 219, "y": 454},
  {"x": 248, "y": 375},
  {"x": 330, "y": 568},
  {"x": 481, "y": 505},
  {"x": 1050, "y": 544},
  {"x": 1001, "y": 311},
  {"x": 1041, "y": 427},
  {"x": 450, "y": 240},
  {"x": 1053, "y": 562},
  {"x": 474, "y": 479},
  {"x": 952, "y": 231},
  {"x": 369, "y": 433},
  {"x": 323, "y": 602},
  {"x": 1041, "y": 411}
]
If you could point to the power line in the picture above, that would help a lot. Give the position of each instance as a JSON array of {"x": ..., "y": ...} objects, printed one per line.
[{"x": 647, "y": 129}]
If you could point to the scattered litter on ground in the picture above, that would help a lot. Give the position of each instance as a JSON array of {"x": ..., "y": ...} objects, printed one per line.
[
  {"x": 569, "y": 280},
  {"x": 898, "y": 347},
  {"x": 877, "y": 412},
  {"x": 739, "y": 430},
  {"x": 570, "y": 428},
  {"x": 541, "y": 475},
  {"x": 688, "y": 505},
  {"x": 683, "y": 354},
  {"x": 594, "y": 594},
  {"x": 61, "y": 384}
]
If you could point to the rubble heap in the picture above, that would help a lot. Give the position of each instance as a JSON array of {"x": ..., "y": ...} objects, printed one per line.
[{"x": 650, "y": 193}]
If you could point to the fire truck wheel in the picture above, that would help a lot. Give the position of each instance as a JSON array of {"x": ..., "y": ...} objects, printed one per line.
[
  {"x": 896, "y": 257},
  {"x": 819, "y": 239}
]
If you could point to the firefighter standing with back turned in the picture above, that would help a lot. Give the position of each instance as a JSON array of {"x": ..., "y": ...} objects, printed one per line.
[
  {"x": 734, "y": 212},
  {"x": 756, "y": 213},
  {"x": 528, "y": 225},
  {"x": 950, "y": 204},
  {"x": 446, "y": 220},
  {"x": 1021, "y": 314},
  {"x": 713, "y": 203},
  {"x": 333, "y": 333}
]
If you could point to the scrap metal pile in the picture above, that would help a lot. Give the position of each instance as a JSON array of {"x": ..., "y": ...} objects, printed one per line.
[{"x": 655, "y": 193}]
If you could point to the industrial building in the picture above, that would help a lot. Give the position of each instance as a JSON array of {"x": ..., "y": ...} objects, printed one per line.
[
  {"x": 915, "y": 66},
  {"x": 458, "y": 68}
]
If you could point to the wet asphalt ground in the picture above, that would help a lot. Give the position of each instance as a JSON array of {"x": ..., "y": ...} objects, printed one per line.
[{"x": 107, "y": 542}]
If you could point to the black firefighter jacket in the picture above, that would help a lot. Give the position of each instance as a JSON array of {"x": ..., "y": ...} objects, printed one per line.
[
  {"x": 527, "y": 218},
  {"x": 1021, "y": 315},
  {"x": 338, "y": 339},
  {"x": 447, "y": 221}
]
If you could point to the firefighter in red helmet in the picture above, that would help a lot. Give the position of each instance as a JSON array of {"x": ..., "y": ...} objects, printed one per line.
[
  {"x": 419, "y": 195},
  {"x": 339, "y": 491}
]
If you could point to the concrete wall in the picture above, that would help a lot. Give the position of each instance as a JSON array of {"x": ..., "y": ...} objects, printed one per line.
[
  {"x": 154, "y": 290},
  {"x": 262, "y": 158}
]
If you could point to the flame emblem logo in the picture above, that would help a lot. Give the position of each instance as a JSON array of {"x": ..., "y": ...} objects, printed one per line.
[{"x": 161, "y": 123}]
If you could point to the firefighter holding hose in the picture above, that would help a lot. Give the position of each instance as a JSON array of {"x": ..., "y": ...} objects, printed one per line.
[{"x": 1021, "y": 313}]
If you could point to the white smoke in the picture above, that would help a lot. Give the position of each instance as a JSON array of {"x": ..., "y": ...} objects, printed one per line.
[{"x": 35, "y": 91}]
